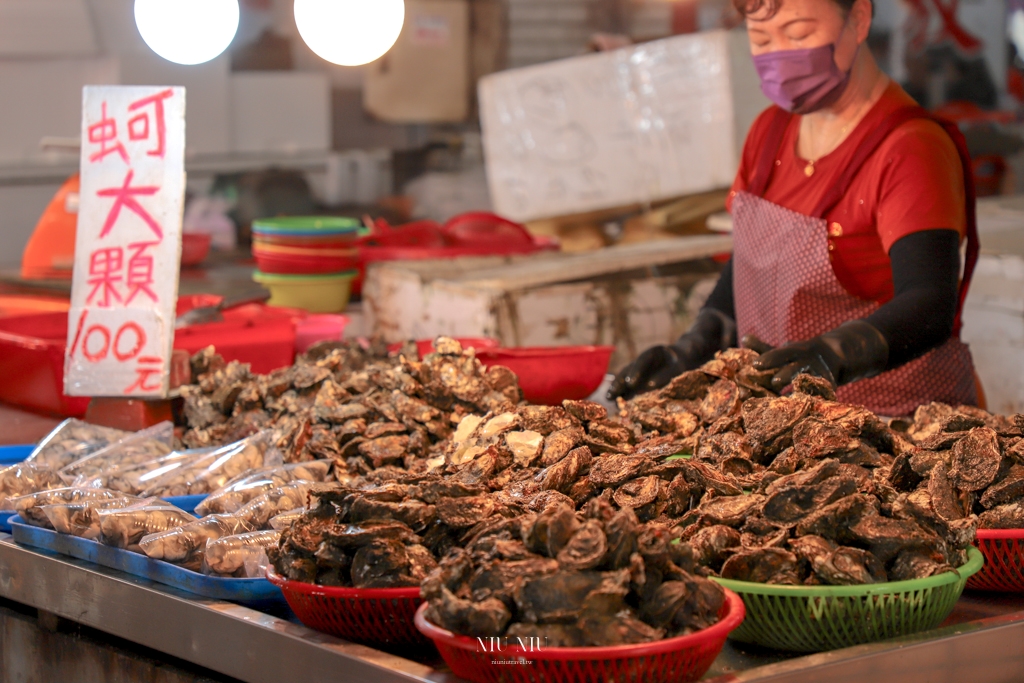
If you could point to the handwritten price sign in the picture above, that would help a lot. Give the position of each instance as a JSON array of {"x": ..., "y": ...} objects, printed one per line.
[{"x": 128, "y": 244}]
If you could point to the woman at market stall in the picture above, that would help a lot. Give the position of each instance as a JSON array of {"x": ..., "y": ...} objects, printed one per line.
[{"x": 849, "y": 209}]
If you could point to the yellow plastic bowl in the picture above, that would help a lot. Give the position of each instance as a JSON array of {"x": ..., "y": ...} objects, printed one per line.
[{"x": 314, "y": 293}]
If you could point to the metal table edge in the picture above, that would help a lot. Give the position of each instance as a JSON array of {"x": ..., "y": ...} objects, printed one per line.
[{"x": 224, "y": 637}]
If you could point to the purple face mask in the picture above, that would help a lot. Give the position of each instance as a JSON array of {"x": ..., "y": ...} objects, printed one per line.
[{"x": 801, "y": 81}]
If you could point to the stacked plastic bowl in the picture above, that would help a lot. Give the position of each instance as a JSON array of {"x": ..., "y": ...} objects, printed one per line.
[{"x": 307, "y": 262}]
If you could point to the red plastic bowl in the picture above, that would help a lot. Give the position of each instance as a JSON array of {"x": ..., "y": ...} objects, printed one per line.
[
  {"x": 685, "y": 658},
  {"x": 195, "y": 247},
  {"x": 425, "y": 346},
  {"x": 549, "y": 375},
  {"x": 287, "y": 264},
  {"x": 482, "y": 228},
  {"x": 1003, "y": 570},
  {"x": 372, "y": 616}
]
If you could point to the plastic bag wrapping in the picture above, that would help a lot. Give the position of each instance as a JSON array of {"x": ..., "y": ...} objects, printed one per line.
[
  {"x": 285, "y": 519},
  {"x": 83, "y": 519},
  {"x": 213, "y": 470},
  {"x": 30, "y": 506},
  {"x": 244, "y": 555},
  {"x": 73, "y": 440},
  {"x": 135, "y": 449},
  {"x": 134, "y": 478},
  {"x": 125, "y": 527},
  {"x": 24, "y": 478},
  {"x": 185, "y": 544},
  {"x": 243, "y": 489},
  {"x": 260, "y": 510}
]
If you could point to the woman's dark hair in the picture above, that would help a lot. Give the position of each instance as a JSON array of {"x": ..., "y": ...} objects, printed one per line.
[{"x": 748, "y": 7}]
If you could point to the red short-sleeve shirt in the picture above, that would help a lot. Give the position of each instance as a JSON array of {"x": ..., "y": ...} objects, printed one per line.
[{"x": 914, "y": 181}]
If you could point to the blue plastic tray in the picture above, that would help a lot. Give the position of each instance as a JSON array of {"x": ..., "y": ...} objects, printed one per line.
[
  {"x": 253, "y": 592},
  {"x": 12, "y": 455},
  {"x": 186, "y": 503}
]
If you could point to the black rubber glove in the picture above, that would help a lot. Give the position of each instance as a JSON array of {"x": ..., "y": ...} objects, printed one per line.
[
  {"x": 854, "y": 350},
  {"x": 654, "y": 368}
]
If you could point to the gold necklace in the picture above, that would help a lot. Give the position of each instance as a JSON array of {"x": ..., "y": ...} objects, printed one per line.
[{"x": 809, "y": 169}]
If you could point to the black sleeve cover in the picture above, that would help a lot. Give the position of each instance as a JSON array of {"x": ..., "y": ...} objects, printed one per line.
[
  {"x": 720, "y": 298},
  {"x": 926, "y": 280}
]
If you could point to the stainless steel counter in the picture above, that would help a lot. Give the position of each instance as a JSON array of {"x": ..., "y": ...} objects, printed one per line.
[{"x": 981, "y": 642}]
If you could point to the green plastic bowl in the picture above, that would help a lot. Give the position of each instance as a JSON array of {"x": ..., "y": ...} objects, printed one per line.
[
  {"x": 818, "y": 618},
  {"x": 307, "y": 225}
]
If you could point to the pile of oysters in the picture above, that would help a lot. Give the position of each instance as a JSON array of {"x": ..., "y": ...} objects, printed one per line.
[{"x": 362, "y": 408}]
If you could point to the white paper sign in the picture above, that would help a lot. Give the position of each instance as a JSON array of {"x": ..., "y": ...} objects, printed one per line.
[{"x": 128, "y": 243}]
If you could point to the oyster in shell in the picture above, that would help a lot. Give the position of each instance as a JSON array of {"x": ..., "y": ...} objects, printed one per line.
[
  {"x": 551, "y": 530},
  {"x": 486, "y": 618},
  {"x": 613, "y": 470},
  {"x": 1007, "y": 490},
  {"x": 712, "y": 545},
  {"x": 555, "y": 598},
  {"x": 976, "y": 460},
  {"x": 585, "y": 411},
  {"x": 586, "y": 549},
  {"x": 1009, "y": 516},
  {"x": 848, "y": 567},
  {"x": 562, "y": 475},
  {"x": 763, "y": 565},
  {"x": 558, "y": 444},
  {"x": 917, "y": 564},
  {"x": 790, "y": 504},
  {"x": 729, "y": 510}
]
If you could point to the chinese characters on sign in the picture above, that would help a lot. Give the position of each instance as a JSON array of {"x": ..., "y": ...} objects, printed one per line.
[{"x": 128, "y": 243}]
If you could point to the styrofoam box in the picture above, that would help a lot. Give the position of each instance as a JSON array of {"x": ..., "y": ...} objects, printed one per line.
[
  {"x": 661, "y": 119},
  {"x": 280, "y": 112},
  {"x": 40, "y": 98}
]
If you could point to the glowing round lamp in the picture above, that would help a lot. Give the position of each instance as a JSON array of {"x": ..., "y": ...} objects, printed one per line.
[
  {"x": 187, "y": 31},
  {"x": 350, "y": 32}
]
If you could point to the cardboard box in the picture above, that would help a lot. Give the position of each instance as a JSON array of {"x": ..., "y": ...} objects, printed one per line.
[
  {"x": 654, "y": 121},
  {"x": 631, "y": 297},
  {"x": 424, "y": 78}
]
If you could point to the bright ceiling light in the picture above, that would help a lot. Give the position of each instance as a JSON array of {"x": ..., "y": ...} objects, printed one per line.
[
  {"x": 350, "y": 32},
  {"x": 187, "y": 31}
]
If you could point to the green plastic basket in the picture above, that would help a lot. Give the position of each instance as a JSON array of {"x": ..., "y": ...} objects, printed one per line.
[{"x": 817, "y": 618}]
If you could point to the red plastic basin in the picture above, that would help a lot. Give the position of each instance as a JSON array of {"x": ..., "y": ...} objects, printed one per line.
[
  {"x": 32, "y": 350},
  {"x": 549, "y": 375},
  {"x": 32, "y": 364},
  {"x": 425, "y": 346}
]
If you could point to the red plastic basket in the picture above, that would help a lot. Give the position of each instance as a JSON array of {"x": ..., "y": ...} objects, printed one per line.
[
  {"x": 372, "y": 616},
  {"x": 1003, "y": 570},
  {"x": 681, "y": 659}
]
